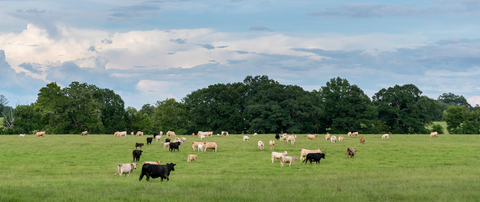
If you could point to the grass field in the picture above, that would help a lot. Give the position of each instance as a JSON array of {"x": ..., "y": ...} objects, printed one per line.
[
  {"x": 1, "y": 122},
  {"x": 401, "y": 168}
]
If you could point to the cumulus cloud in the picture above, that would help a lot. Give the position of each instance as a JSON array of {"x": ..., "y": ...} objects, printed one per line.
[{"x": 474, "y": 100}]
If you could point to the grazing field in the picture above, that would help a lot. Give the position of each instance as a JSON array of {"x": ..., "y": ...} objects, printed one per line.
[
  {"x": 1, "y": 122},
  {"x": 401, "y": 168}
]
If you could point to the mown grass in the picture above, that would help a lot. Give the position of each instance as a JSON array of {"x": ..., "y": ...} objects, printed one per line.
[{"x": 401, "y": 168}]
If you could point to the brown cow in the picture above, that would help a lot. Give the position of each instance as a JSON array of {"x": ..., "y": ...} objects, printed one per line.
[
  {"x": 351, "y": 152},
  {"x": 38, "y": 134},
  {"x": 362, "y": 140}
]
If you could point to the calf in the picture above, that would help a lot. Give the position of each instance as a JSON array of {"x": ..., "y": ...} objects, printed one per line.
[
  {"x": 125, "y": 168},
  {"x": 138, "y": 145},
  {"x": 272, "y": 144},
  {"x": 314, "y": 157},
  {"x": 173, "y": 146},
  {"x": 202, "y": 137},
  {"x": 155, "y": 171},
  {"x": 191, "y": 157},
  {"x": 195, "y": 144},
  {"x": 277, "y": 136},
  {"x": 246, "y": 138},
  {"x": 165, "y": 144},
  {"x": 201, "y": 147},
  {"x": 260, "y": 145},
  {"x": 158, "y": 137},
  {"x": 287, "y": 159},
  {"x": 136, "y": 155},
  {"x": 362, "y": 140},
  {"x": 351, "y": 152},
  {"x": 276, "y": 155},
  {"x": 149, "y": 140}
]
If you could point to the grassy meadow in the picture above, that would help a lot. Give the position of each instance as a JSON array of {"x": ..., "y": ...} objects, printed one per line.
[
  {"x": 1, "y": 122},
  {"x": 401, "y": 168}
]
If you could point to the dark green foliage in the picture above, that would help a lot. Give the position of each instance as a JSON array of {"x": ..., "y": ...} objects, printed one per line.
[
  {"x": 170, "y": 115},
  {"x": 437, "y": 128},
  {"x": 148, "y": 109},
  {"x": 452, "y": 99},
  {"x": 404, "y": 110},
  {"x": 27, "y": 119},
  {"x": 113, "y": 110},
  {"x": 461, "y": 120}
]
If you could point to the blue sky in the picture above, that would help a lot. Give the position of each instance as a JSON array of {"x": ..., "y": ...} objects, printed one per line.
[{"x": 151, "y": 50}]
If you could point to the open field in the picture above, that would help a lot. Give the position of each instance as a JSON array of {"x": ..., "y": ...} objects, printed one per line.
[
  {"x": 1, "y": 122},
  {"x": 401, "y": 168}
]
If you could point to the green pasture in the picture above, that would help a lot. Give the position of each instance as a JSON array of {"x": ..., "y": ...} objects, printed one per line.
[
  {"x": 401, "y": 168},
  {"x": 1, "y": 121}
]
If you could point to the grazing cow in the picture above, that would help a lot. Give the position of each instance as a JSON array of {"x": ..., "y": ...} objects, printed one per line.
[
  {"x": 22, "y": 135},
  {"x": 139, "y": 133},
  {"x": 254, "y": 134},
  {"x": 202, "y": 137},
  {"x": 210, "y": 133},
  {"x": 305, "y": 152},
  {"x": 171, "y": 133},
  {"x": 351, "y": 152},
  {"x": 165, "y": 144},
  {"x": 349, "y": 134},
  {"x": 126, "y": 168},
  {"x": 385, "y": 135},
  {"x": 201, "y": 147},
  {"x": 218, "y": 134},
  {"x": 158, "y": 137},
  {"x": 277, "y": 155},
  {"x": 161, "y": 133},
  {"x": 277, "y": 136},
  {"x": 84, "y": 133},
  {"x": 176, "y": 140},
  {"x": 272, "y": 144},
  {"x": 138, "y": 145},
  {"x": 136, "y": 155},
  {"x": 327, "y": 137},
  {"x": 191, "y": 157},
  {"x": 38, "y": 134},
  {"x": 210, "y": 145},
  {"x": 183, "y": 139},
  {"x": 195, "y": 144},
  {"x": 116, "y": 134},
  {"x": 245, "y": 138},
  {"x": 311, "y": 137},
  {"x": 291, "y": 138},
  {"x": 149, "y": 140},
  {"x": 260, "y": 145},
  {"x": 362, "y": 140},
  {"x": 123, "y": 133},
  {"x": 433, "y": 134},
  {"x": 354, "y": 134},
  {"x": 167, "y": 140},
  {"x": 155, "y": 171},
  {"x": 173, "y": 146},
  {"x": 225, "y": 133},
  {"x": 287, "y": 159},
  {"x": 333, "y": 139},
  {"x": 314, "y": 157},
  {"x": 193, "y": 134},
  {"x": 132, "y": 133},
  {"x": 341, "y": 138},
  {"x": 152, "y": 162},
  {"x": 283, "y": 137}
]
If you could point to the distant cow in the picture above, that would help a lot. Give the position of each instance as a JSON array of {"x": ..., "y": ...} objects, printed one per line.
[
  {"x": 433, "y": 134},
  {"x": 155, "y": 171},
  {"x": 123, "y": 133},
  {"x": 333, "y": 139},
  {"x": 138, "y": 145},
  {"x": 327, "y": 137},
  {"x": 22, "y": 135},
  {"x": 385, "y": 135},
  {"x": 149, "y": 140},
  {"x": 171, "y": 133},
  {"x": 260, "y": 145},
  {"x": 341, "y": 138},
  {"x": 173, "y": 146},
  {"x": 126, "y": 168},
  {"x": 210, "y": 145},
  {"x": 225, "y": 133},
  {"x": 272, "y": 144},
  {"x": 311, "y": 137},
  {"x": 245, "y": 138},
  {"x": 158, "y": 137},
  {"x": 165, "y": 144},
  {"x": 139, "y": 133},
  {"x": 191, "y": 157},
  {"x": 362, "y": 140},
  {"x": 351, "y": 152},
  {"x": 136, "y": 154},
  {"x": 354, "y": 134},
  {"x": 314, "y": 157},
  {"x": 349, "y": 134},
  {"x": 84, "y": 133},
  {"x": 254, "y": 134},
  {"x": 167, "y": 140},
  {"x": 38, "y": 134},
  {"x": 277, "y": 136},
  {"x": 287, "y": 159}
]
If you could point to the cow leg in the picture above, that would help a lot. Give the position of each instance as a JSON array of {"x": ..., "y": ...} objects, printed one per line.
[{"x": 141, "y": 176}]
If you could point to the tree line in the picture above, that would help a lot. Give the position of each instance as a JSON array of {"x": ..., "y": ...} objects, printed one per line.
[{"x": 257, "y": 104}]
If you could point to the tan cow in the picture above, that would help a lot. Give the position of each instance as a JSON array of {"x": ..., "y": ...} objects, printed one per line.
[
  {"x": 311, "y": 137},
  {"x": 272, "y": 144},
  {"x": 351, "y": 152},
  {"x": 291, "y": 138},
  {"x": 176, "y": 140},
  {"x": 385, "y": 136},
  {"x": 354, "y": 134},
  {"x": 304, "y": 152},
  {"x": 195, "y": 145},
  {"x": 210, "y": 145},
  {"x": 210, "y": 133},
  {"x": 327, "y": 137},
  {"x": 433, "y": 134},
  {"x": 132, "y": 133},
  {"x": 125, "y": 168},
  {"x": 277, "y": 155},
  {"x": 171, "y": 133},
  {"x": 261, "y": 146},
  {"x": 349, "y": 134},
  {"x": 84, "y": 133},
  {"x": 254, "y": 134},
  {"x": 333, "y": 139},
  {"x": 152, "y": 162},
  {"x": 225, "y": 133},
  {"x": 38, "y": 134},
  {"x": 193, "y": 134},
  {"x": 341, "y": 138},
  {"x": 283, "y": 137},
  {"x": 139, "y": 133},
  {"x": 191, "y": 157},
  {"x": 116, "y": 134},
  {"x": 22, "y": 135},
  {"x": 287, "y": 159},
  {"x": 119, "y": 134},
  {"x": 362, "y": 140}
]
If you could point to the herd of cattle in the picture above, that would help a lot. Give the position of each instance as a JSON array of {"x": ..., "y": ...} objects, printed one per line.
[{"x": 154, "y": 169}]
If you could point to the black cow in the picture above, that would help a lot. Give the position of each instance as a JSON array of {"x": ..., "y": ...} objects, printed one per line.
[
  {"x": 138, "y": 145},
  {"x": 277, "y": 136},
  {"x": 167, "y": 140},
  {"x": 149, "y": 140},
  {"x": 315, "y": 157},
  {"x": 155, "y": 135},
  {"x": 155, "y": 171},
  {"x": 173, "y": 146},
  {"x": 136, "y": 154}
]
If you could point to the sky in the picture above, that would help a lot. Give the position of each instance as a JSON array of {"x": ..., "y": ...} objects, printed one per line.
[{"x": 147, "y": 51}]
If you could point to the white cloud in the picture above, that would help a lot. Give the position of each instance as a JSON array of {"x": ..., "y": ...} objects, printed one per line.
[{"x": 475, "y": 100}]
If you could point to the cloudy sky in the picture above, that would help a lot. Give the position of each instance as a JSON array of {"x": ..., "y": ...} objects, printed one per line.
[{"x": 150, "y": 50}]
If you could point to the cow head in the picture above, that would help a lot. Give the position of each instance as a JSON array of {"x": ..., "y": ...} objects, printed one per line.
[{"x": 171, "y": 166}]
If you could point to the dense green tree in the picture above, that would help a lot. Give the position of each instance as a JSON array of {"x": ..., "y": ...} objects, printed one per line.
[
  {"x": 461, "y": 120},
  {"x": 53, "y": 104},
  {"x": 452, "y": 99},
  {"x": 1, "y": 110},
  {"x": 404, "y": 110},
  {"x": 113, "y": 110},
  {"x": 27, "y": 119},
  {"x": 347, "y": 107},
  {"x": 170, "y": 115},
  {"x": 148, "y": 109}
]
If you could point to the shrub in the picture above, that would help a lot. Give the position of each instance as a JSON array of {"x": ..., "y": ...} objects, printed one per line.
[{"x": 437, "y": 128}]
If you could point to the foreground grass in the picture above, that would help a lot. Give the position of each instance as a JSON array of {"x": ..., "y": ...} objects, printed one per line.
[{"x": 401, "y": 168}]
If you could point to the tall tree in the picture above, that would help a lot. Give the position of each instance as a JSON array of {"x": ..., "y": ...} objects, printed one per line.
[
  {"x": 452, "y": 99},
  {"x": 461, "y": 120},
  {"x": 404, "y": 110},
  {"x": 113, "y": 110},
  {"x": 27, "y": 119},
  {"x": 83, "y": 110},
  {"x": 52, "y": 102},
  {"x": 347, "y": 107},
  {"x": 148, "y": 109},
  {"x": 170, "y": 115}
]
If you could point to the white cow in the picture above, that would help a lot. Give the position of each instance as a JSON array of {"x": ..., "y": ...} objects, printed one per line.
[
  {"x": 201, "y": 148},
  {"x": 277, "y": 155},
  {"x": 260, "y": 145},
  {"x": 333, "y": 139},
  {"x": 385, "y": 136},
  {"x": 245, "y": 138},
  {"x": 125, "y": 168},
  {"x": 287, "y": 159}
]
